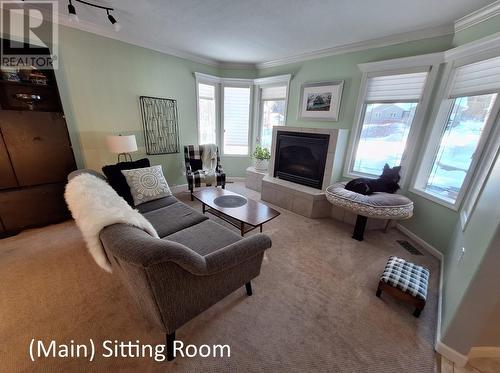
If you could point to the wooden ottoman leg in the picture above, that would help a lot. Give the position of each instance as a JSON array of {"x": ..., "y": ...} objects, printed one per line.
[
  {"x": 419, "y": 309},
  {"x": 359, "y": 228}
]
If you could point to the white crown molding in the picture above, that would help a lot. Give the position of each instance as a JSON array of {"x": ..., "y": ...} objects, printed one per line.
[
  {"x": 488, "y": 43},
  {"x": 478, "y": 16},
  {"x": 109, "y": 32},
  {"x": 236, "y": 65},
  {"x": 472, "y": 19},
  {"x": 363, "y": 45},
  {"x": 405, "y": 62}
]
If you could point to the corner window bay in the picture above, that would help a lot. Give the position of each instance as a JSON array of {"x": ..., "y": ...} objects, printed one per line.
[
  {"x": 463, "y": 134},
  {"x": 459, "y": 145},
  {"x": 387, "y": 114}
]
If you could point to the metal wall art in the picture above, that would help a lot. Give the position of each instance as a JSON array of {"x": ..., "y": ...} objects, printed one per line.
[{"x": 160, "y": 125}]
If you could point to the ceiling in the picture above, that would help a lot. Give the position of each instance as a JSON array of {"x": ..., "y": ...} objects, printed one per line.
[{"x": 256, "y": 31}]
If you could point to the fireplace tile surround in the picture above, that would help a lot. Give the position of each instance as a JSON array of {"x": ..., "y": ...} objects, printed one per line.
[{"x": 301, "y": 199}]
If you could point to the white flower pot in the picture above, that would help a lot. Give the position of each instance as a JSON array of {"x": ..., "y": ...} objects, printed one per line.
[{"x": 261, "y": 164}]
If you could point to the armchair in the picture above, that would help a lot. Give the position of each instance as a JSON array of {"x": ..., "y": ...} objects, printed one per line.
[{"x": 193, "y": 155}]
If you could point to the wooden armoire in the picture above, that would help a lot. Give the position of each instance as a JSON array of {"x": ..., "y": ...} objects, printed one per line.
[{"x": 35, "y": 153}]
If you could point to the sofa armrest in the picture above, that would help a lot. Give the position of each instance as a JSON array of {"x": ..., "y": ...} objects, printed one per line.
[{"x": 236, "y": 253}]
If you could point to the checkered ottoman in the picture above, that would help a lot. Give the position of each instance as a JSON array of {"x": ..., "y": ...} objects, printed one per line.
[{"x": 406, "y": 281}]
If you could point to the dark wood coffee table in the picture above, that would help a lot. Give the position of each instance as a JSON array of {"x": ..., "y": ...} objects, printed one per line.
[{"x": 251, "y": 215}]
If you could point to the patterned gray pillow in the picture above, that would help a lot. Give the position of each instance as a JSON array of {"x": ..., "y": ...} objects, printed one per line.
[{"x": 146, "y": 184}]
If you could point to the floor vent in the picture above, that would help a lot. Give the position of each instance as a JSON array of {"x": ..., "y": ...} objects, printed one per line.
[{"x": 409, "y": 247}]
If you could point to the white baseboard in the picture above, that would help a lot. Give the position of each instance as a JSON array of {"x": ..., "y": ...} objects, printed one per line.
[
  {"x": 456, "y": 357},
  {"x": 484, "y": 352},
  {"x": 236, "y": 178},
  {"x": 459, "y": 359},
  {"x": 175, "y": 189},
  {"x": 427, "y": 246}
]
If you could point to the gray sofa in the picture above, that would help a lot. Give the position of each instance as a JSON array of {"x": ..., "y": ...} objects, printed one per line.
[{"x": 195, "y": 264}]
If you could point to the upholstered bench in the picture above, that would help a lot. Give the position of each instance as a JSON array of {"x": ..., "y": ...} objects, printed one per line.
[
  {"x": 377, "y": 205},
  {"x": 406, "y": 281}
]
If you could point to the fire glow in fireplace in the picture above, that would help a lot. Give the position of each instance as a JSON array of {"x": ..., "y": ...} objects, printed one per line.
[{"x": 301, "y": 157}]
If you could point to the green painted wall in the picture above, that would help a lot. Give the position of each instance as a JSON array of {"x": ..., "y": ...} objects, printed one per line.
[
  {"x": 470, "y": 305},
  {"x": 88, "y": 61},
  {"x": 428, "y": 215},
  {"x": 469, "y": 293},
  {"x": 485, "y": 28},
  {"x": 101, "y": 79}
]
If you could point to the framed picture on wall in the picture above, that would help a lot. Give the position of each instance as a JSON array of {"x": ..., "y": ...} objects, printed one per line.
[{"x": 321, "y": 101}]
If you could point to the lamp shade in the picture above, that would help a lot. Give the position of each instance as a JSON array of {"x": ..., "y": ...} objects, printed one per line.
[{"x": 121, "y": 144}]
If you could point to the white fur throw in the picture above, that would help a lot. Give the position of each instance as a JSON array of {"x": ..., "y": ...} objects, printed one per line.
[{"x": 95, "y": 205}]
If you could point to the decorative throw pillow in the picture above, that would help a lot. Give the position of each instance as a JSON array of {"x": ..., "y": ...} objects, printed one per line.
[
  {"x": 117, "y": 180},
  {"x": 146, "y": 184}
]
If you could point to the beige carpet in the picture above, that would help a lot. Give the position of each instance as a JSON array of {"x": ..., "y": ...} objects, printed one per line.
[{"x": 313, "y": 310}]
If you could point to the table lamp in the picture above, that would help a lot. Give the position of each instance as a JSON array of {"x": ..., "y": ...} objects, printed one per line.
[{"x": 122, "y": 145}]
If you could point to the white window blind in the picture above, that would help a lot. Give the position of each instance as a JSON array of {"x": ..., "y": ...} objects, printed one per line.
[
  {"x": 236, "y": 119},
  {"x": 274, "y": 93},
  {"x": 206, "y": 91},
  {"x": 402, "y": 87},
  {"x": 477, "y": 78}
]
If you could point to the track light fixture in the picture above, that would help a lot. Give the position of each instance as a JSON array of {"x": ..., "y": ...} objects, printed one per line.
[
  {"x": 113, "y": 21},
  {"x": 74, "y": 18}
]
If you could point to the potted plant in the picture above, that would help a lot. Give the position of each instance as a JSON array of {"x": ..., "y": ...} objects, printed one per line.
[{"x": 262, "y": 157}]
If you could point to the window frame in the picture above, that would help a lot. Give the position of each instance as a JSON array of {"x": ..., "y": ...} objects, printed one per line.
[
  {"x": 254, "y": 116},
  {"x": 429, "y": 63},
  {"x": 215, "y": 82},
  {"x": 485, "y": 152},
  {"x": 236, "y": 83},
  {"x": 274, "y": 81}
]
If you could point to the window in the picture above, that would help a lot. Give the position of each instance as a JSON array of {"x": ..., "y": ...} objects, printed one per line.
[
  {"x": 458, "y": 145},
  {"x": 207, "y": 128},
  {"x": 461, "y": 132},
  {"x": 387, "y": 114},
  {"x": 272, "y": 112},
  {"x": 233, "y": 117},
  {"x": 236, "y": 120}
]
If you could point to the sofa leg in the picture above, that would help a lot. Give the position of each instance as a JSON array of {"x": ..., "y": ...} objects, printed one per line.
[
  {"x": 417, "y": 312},
  {"x": 192, "y": 198},
  {"x": 379, "y": 292},
  {"x": 223, "y": 186},
  {"x": 170, "y": 346},
  {"x": 248, "y": 286}
]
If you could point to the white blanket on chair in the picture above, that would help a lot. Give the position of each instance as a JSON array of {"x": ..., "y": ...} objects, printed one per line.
[
  {"x": 209, "y": 162},
  {"x": 95, "y": 205}
]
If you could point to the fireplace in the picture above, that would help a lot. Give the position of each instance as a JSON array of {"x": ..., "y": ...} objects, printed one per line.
[{"x": 301, "y": 157}]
